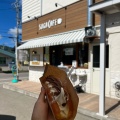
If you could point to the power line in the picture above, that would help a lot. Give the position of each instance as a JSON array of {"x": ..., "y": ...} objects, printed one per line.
[
  {"x": 9, "y": 36},
  {"x": 6, "y": 1}
]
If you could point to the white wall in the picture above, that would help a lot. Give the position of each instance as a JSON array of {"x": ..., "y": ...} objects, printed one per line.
[
  {"x": 30, "y": 8},
  {"x": 35, "y": 72},
  {"x": 40, "y": 7},
  {"x": 114, "y": 42}
]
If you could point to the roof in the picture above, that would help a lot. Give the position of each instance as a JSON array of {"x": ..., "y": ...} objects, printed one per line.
[
  {"x": 7, "y": 53},
  {"x": 108, "y": 7}
]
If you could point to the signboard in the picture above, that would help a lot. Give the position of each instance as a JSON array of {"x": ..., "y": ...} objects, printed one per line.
[
  {"x": 50, "y": 23},
  {"x": 35, "y": 63},
  {"x": 68, "y": 51}
]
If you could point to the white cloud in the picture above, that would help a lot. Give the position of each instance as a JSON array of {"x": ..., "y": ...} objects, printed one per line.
[
  {"x": 13, "y": 31},
  {"x": 20, "y": 31}
]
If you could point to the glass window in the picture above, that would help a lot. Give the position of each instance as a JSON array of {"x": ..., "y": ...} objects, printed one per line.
[
  {"x": 96, "y": 56},
  {"x": 83, "y": 55},
  {"x": 68, "y": 54},
  {"x": 55, "y": 55},
  {"x": 46, "y": 55}
]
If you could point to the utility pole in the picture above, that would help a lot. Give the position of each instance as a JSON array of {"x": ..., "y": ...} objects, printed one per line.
[{"x": 17, "y": 7}]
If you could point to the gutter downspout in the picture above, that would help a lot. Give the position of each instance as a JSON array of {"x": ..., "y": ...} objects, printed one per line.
[
  {"x": 90, "y": 14},
  {"x": 89, "y": 17}
]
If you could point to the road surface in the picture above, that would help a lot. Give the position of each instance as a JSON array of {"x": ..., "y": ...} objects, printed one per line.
[
  {"x": 7, "y": 77},
  {"x": 14, "y": 104}
]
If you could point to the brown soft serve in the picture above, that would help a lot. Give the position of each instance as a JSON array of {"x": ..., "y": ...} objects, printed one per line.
[{"x": 58, "y": 94}]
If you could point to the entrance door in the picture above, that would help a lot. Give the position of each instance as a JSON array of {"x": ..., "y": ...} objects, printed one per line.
[
  {"x": 55, "y": 55},
  {"x": 96, "y": 70}
]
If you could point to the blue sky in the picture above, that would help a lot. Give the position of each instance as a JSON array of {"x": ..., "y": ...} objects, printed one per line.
[{"x": 7, "y": 22}]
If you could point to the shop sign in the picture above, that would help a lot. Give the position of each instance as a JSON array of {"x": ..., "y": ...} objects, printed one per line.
[
  {"x": 35, "y": 63},
  {"x": 50, "y": 23},
  {"x": 68, "y": 51}
]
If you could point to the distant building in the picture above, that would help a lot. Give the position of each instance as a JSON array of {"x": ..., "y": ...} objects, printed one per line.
[
  {"x": 6, "y": 57},
  {"x": 7, "y": 48}
]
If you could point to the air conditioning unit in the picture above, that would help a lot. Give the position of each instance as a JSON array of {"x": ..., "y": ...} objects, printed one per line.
[{"x": 90, "y": 31}]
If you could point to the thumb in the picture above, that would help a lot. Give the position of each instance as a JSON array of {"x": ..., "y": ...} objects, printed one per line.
[{"x": 42, "y": 94}]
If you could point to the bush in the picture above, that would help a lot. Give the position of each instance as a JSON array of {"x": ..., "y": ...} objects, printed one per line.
[{"x": 0, "y": 69}]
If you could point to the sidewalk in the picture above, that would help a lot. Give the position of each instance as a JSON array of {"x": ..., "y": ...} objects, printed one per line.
[
  {"x": 26, "y": 87},
  {"x": 88, "y": 103}
]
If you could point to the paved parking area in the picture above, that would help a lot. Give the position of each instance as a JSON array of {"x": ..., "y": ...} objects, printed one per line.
[
  {"x": 15, "y": 106},
  {"x": 89, "y": 102}
]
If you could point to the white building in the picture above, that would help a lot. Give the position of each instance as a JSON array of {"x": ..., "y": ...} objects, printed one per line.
[{"x": 57, "y": 34}]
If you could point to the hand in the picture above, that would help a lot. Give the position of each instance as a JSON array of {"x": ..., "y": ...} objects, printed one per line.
[{"x": 41, "y": 109}]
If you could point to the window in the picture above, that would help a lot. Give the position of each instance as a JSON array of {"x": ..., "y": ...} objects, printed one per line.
[
  {"x": 96, "y": 56},
  {"x": 68, "y": 53},
  {"x": 46, "y": 57},
  {"x": 2, "y": 60},
  {"x": 55, "y": 55},
  {"x": 83, "y": 55}
]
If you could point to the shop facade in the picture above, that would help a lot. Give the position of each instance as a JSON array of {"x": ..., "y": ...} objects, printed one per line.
[{"x": 59, "y": 38}]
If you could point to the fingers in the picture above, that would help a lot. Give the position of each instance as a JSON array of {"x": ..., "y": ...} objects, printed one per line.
[
  {"x": 50, "y": 115},
  {"x": 42, "y": 94}
]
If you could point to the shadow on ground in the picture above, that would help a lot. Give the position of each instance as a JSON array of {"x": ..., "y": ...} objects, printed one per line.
[
  {"x": 113, "y": 107},
  {"x": 7, "y": 117},
  {"x": 9, "y": 71}
]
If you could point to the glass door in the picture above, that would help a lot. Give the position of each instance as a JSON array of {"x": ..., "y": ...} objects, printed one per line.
[{"x": 96, "y": 69}]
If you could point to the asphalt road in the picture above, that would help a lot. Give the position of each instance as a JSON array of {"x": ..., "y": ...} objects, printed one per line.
[
  {"x": 14, "y": 104},
  {"x": 7, "y": 77}
]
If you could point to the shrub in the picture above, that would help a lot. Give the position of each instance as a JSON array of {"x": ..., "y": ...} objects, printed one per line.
[{"x": 0, "y": 69}]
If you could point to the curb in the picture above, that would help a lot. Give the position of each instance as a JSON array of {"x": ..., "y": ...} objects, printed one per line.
[
  {"x": 93, "y": 115},
  {"x": 25, "y": 92}
]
